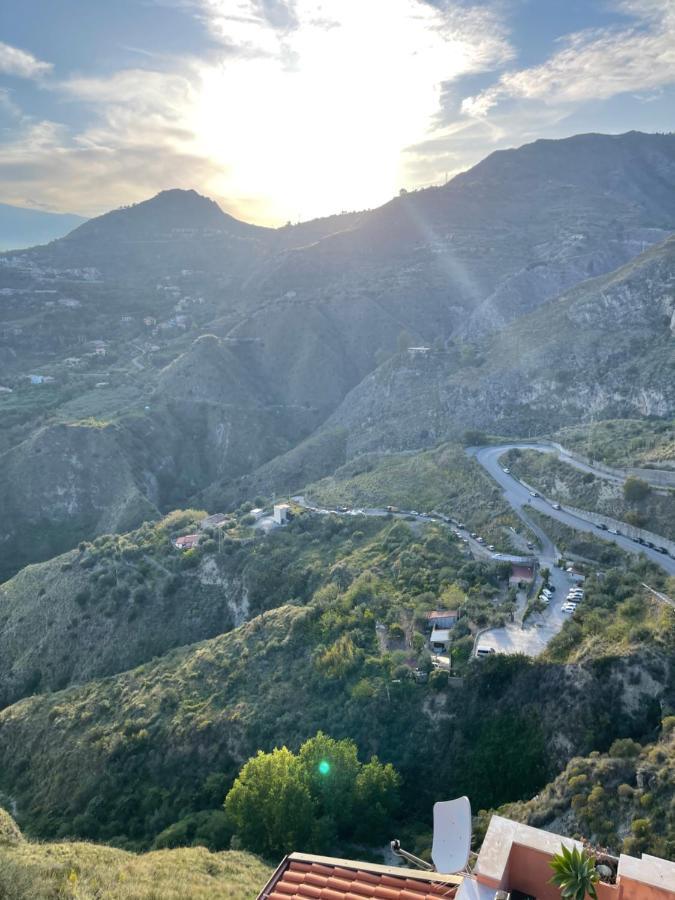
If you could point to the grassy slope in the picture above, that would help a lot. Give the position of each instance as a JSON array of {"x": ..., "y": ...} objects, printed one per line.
[
  {"x": 443, "y": 479},
  {"x": 567, "y": 484},
  {"x": 624, "y": 442},
  {"x": 621, "y": 799},
  {"x": 124, "y": 599},
  {"x": 123, "y": 758},
  {"x": 33, "y": 871}
]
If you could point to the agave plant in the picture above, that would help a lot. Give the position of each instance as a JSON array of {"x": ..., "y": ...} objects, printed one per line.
[{"x": 575, "y": 874}]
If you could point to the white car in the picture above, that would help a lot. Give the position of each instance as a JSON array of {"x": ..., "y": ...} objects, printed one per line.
[{"x": 568, "y": 607}]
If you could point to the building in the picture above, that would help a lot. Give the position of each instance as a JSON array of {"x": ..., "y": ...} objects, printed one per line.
[
  {"x": 440, "y": 639},
  {"x": 217, "y": 520},
  {"x": 418, "y": 351},
  {"x": 257, "y": 513},
  {"x": 521, "y": 574},
  {"x": 442, "y": 618},
  {"x": 281, "y": 513},
  {"x": 514, "y": 861},
  {"x": 187, "y": 542}
]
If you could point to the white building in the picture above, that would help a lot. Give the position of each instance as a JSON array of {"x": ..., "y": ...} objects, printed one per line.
[{"x": 281, "y": 511}]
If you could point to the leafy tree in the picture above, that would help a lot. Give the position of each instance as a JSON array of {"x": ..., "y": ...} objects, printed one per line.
[
  {"x": 282, "y": 801},
  {"x": 269, "y": 805},
  {"x": 376, "y": 800},
  {"x": 575, "y": 874},
  {"x": 329, "y": 769},
  {"x": 635, "y": 490}
]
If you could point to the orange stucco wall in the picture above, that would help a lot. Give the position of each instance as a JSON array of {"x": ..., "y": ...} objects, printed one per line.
[
  {"x": 636, "y": 890},
  {"x": 529, "y": 871}
]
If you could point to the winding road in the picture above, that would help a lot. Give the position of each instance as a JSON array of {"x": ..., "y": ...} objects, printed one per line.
[{"x": 520, "y": 499}]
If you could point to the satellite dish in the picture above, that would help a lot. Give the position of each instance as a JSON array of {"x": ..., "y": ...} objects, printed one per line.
[{"x": 452, "y": 835}]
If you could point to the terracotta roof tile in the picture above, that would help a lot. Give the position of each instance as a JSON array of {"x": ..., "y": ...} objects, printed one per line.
[{"x": 308, "y": 880}]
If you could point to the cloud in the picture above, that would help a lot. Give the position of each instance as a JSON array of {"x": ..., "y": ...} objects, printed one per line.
[
  {"x": 595, "y": 64},
  {"x": 21, "y": 63},
  {"x": 314, "y": 105}
]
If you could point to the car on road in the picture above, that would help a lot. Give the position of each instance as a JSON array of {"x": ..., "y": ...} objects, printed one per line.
[
  {"x": 601, "y": 526},
  {"x": 461, "y": 525},
  {"x": 480, "y": 540},
  {"x": 473, "y": 534},
  {"x": 506, "y": 471},
  {"x": 533, "y": 494},
  {"x": 491, "y": 548},
  {"x": 482, "y": 652},
  {"x": 555, "y": 505}
]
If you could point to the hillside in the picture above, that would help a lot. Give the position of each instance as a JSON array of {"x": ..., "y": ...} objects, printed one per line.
[
  {"x": 162, "y": 742},
  {"x": 605, "y": 347},
  {"x": 109, "y": 327},
  {"x": 29, "y": 871},
  {"x": 621, "y": 799},
  {"x": 566, "y": 484}
]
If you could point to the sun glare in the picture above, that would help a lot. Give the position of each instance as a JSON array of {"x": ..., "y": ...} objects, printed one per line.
[{"x": 323, "y": 123}]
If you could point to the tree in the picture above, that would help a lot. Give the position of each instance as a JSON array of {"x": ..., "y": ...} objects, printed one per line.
[
  {"x": 329, "y": 770},
  {"x": 376, "y": 800},
  {"x": 635, "y": 490},
  {"x": 282, "y": 801},
  {"x": 575, "y": 874},
  {"x": 269, "y": 805}
]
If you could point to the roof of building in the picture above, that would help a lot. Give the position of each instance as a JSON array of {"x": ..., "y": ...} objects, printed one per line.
[
  {"x": 187, "y": 539},
  {"x": 440, "y": 635},
  {"x": 441, "y": 614},
  {"x": 303, "y": 876},
  {"x": 521, "y": 571}
]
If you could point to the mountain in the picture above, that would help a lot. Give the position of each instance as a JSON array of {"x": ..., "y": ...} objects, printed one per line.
[
  {"x": 20, "y": 227},
  {"x": 305, "y": 324},
  {"x": 605, "y": 349}
]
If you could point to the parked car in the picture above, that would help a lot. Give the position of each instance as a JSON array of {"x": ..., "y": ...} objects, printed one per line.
[
  {"x": 491, "y": 548},
  {"x": 506, "y": 471},
  {"x": 601, "y": 526},
  {"x": 481, "y": 652},
  {"x": 556, "y": 505}
]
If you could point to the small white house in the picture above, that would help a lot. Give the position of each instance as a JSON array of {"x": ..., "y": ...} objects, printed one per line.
[
  {"x": 281, "y": 511},
  {"x": 258, "y": 513},
  {"x": 440, "y": 639}
]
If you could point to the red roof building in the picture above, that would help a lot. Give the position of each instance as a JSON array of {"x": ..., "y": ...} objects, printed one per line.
[{"x": 304, "y": 876}]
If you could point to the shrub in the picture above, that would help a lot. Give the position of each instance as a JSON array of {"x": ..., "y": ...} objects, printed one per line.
[{"x": 624, "y": 748}]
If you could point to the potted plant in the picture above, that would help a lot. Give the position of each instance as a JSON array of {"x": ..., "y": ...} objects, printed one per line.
[{"x": 575, "y": 874}]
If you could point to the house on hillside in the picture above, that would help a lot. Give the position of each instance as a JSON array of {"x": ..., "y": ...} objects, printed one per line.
[
  {"x": 281, "y": 513},
  {"x": 440, "y": 640},
  {"x": 442, "y": 618},
  {"x": 514, "y": 861},
  {"x": 217, "y": 520},
  {"x": 187, "y": 542}
]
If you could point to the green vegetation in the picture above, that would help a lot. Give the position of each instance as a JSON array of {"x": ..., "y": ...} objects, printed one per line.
[
  {"x": 620, "y": 799},
  {"x": 37, "y": 871},
  {"x": 324, "y": 795},
  {"x": 620, "y": 618},
  {"x": 575, "y": 874},
  {"x": 583, "y": 545},
  {"x": 634, "y": 502},
  {"x": 623, "y": 442},
  {"x": 443, "y": 479}
]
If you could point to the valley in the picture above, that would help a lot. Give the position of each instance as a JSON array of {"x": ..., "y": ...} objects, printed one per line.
[{"x": 245, "y": 471}]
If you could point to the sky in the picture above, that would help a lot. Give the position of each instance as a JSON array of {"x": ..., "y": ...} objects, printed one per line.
[{"x": 284, "y": 110}]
